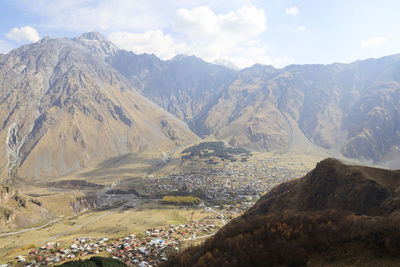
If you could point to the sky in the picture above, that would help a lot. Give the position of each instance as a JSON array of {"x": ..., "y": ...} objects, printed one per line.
[{"x": 244, "y": 32}]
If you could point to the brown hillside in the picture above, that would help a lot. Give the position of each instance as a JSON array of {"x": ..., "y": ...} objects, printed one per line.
[
  {"x": 334, "y": 185},
  {"x": 311, "y": 222},
  {"x": 318, "y": 238}
]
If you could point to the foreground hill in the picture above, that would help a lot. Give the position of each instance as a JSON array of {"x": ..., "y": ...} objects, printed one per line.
[
  {"x": 63, "y": 108},
  {"x": 317, "y": 220},
  {"x": 334, "y": 185}
]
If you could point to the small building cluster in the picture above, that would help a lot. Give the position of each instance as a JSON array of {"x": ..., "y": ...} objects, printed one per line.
[
  {"x": 149, "y": 248},
  {"x": 234, "y": 182}
]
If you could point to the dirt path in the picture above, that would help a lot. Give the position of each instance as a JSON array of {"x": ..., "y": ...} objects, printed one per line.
[
  {"x": 55, "y": 237},
  {"x": 75, "y": 227},
  {"x": 69, "y": 230},
  {"x": 198, "y": 237},
  {"x": 209, "y": 209},
  {"x": 31, "y": 229}
]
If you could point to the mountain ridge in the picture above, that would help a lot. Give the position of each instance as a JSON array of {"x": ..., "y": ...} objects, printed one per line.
[
  {"x": 60, "y": 94},
  {"x": 346, "y": 110},
  {"x": 335, "y": 106}
]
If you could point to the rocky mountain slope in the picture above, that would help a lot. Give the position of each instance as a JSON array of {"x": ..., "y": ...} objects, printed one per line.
[
  {"x": 63, "y": 108},
  {"x": 186, "y": 85},
  {"x": 317, "y": 220},
  {"x": 349, "y": 110}
]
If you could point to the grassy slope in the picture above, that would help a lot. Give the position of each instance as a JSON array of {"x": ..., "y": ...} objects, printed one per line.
[{"x": 99, "y": 224}]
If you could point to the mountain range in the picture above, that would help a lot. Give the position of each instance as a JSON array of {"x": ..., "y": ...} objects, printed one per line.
[
  {"x": 349, "y": 110},
  {"x": 68, "y": 104}
]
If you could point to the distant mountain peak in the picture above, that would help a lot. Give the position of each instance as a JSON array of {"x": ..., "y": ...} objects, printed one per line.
[
  {"x": 226, "y": 63},
  {"x": 263, "y": 67},
  {"x": 181, "y": 57},
  {"x": 92, "y": 36},
  {"x": 46, "y": 38},
  {"x": 97, "y": 44}
]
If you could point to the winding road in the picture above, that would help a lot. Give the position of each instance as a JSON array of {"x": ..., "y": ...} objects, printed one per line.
[
  {"x": 31, "y": 229},
  {"x": 55, "y": 237}
]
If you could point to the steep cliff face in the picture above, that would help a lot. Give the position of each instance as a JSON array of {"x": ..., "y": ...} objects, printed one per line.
[
  {"x": 186, "y": 86},
  {"x": 347, "y": 109},
  {"x": 250, "y": 113},
  {"x": 376, "y": 135},
  {"x": 6, "y": 214},
  {"x": 6, "y": 193},
  {"x": 63, "y": 109},
  {"x": 17, "y": 209},
  {"x": 88, "y": 202}
]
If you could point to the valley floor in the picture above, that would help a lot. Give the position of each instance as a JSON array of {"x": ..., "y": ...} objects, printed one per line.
[{"x": 132, "y": 206}]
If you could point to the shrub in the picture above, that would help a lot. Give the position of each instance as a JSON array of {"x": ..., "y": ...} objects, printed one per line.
[
  {"x": 214, "y": 149},
  {"x": 181, "y": 200}
]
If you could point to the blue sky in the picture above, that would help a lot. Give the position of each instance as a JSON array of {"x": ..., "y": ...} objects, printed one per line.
[{"x": 242, "y": 31}]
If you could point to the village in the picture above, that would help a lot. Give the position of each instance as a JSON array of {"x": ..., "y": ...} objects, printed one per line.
[
  {"x": 233, "y": 183},
  {"x": 147, "y": 248},
  {"x": 225, "y": 193}
]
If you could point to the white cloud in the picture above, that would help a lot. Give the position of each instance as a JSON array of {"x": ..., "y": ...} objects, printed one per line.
[
  {"x": 110, "y": 15},
  {"x": 213, "y": 36},
  {"x": 152, "y": 42},
  {"x": 232, "y": 35},
  {"x": 245, "y": 22},
  {"x": 218, "y": 29},
  {"x": 300, "y": 29},
  {"x": 23, "y": 34},
  {"x": 374, "y": 41},
  {"x": 294, "y": 10},
  {"x": 202, "y": 32},
  {"x": 180, "y": 27},
  {"x": 102, "y": 15}
]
